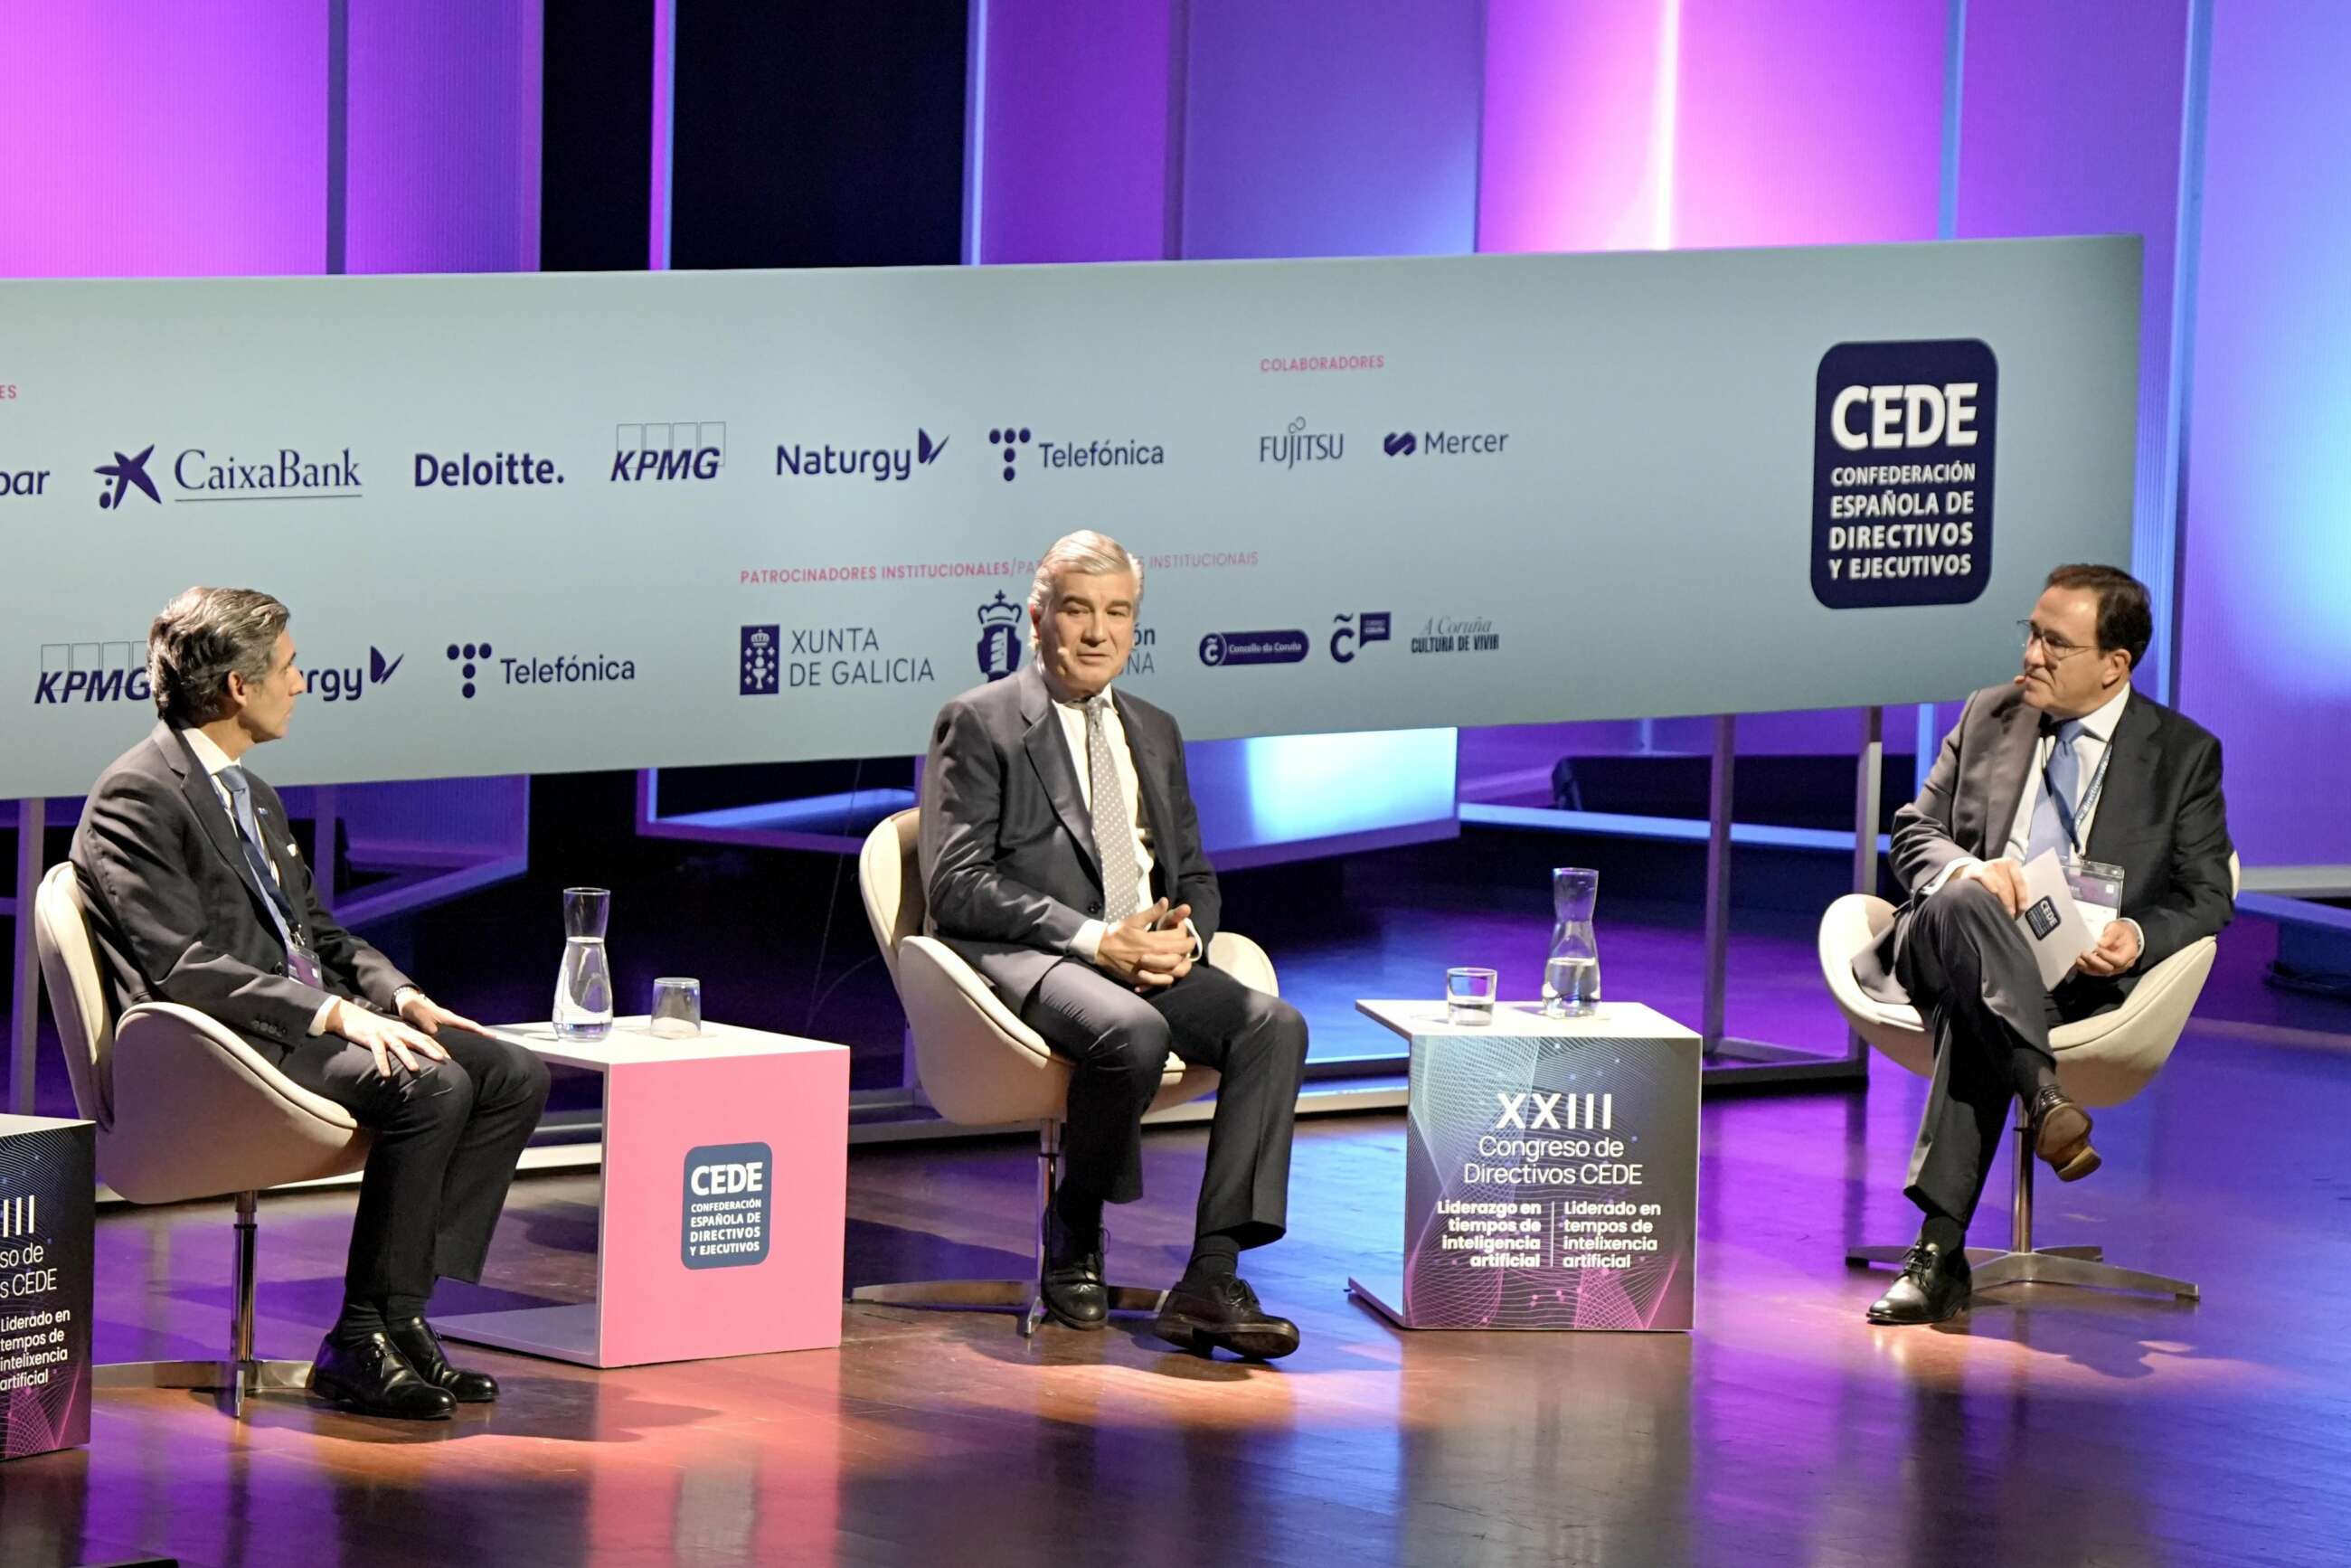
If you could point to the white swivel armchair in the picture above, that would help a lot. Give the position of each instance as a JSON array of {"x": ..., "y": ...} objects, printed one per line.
[
  {"x": 2101, "y": 1061},
  {"x": 185, "y": 1108},
  {"x": 980, "y": 1066}
]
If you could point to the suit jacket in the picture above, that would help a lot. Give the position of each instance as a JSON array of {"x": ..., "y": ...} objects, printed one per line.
[
  {"x": 174, "y": 913},
  {"x": 2160, "y": 816},
  {"x": 1010, "y": 867}
]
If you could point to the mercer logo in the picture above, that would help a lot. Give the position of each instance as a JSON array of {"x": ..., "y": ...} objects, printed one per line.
[
  {"x": 1400, "y": 443},
  {"x": 683, "y": 452},
  {"x": 92, "y": 672},
  {"x": 1446, "y": 444},
  {"x": 882, "y": 465},
  {"x": 1534, "y": 1111},
  {"x": 123, "y": 476}
]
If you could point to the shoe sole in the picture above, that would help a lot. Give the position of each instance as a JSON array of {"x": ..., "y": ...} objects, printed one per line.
[
  {"x": 1203, "y": 1339},
  {"x": 1054, "y": 1314},
  {"x": 358, "y": 1406},
  {"x": 1893, "y": 1323},
  {"x": 2064, "y": 1140}
]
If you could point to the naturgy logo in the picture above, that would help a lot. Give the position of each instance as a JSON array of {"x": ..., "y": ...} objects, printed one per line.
[{"x": 881, "y": 464}]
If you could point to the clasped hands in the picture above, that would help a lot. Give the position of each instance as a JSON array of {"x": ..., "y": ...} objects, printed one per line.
[
  {"x": 1150, "y": 949},
  {"x": 2116, "y": 948},
  {"x": 401, "y": 1039}
]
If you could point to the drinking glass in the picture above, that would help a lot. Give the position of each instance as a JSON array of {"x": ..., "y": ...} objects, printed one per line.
[
  {"x": 1469, "y": 996},
  {"x": 677, "y": 1012}
]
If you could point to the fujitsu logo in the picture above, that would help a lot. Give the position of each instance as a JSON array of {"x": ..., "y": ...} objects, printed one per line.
[{"x": 1535, "y": 1110}]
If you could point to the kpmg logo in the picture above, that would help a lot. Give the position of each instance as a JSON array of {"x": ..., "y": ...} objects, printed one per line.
[
  {"x": 882, "y": 465},
  {"x": 1443, "y": 444},
  {"x": 1298, "y": 444},
  {"x": 92, "y": 672},
  {"x": 1054, "y": 455},
  {"x": 1000, "y": 637},
  {"x": 288, "y": 476},
  {"x": 1355, "y": 632},
  {"x": 686, "y": 452},
  {"x": 465, "y": 471},
  {"x": 125, "y": 475},
  {"x": 1227, "y": 650},
  {"x": 759, "y": 674},
  {"x": 22, "y": 481},
  {"x": 336, "y": 683},
  {"x": 474, "y": 659},
  {"x": 1538, "y": 1112}
]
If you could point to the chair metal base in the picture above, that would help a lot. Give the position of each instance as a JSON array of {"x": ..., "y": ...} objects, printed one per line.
[
  {"x": 2022, "y": 1263},
  {"x": 1026, "y": 1297},
  {"x": 231, "y": 1379}
]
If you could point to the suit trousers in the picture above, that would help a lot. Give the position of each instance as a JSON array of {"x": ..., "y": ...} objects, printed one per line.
[
  {"x": 1972, "y": 976},
  {"x": 446, "y": 1139},
  {"x": 1117, "y": 1040}
]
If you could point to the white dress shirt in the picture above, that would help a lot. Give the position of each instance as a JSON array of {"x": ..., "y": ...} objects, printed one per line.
[
  {"x": 213, "y": 759},
  {"x": 2090, "y": 746},
  {"x": 1087, "y": 943}
]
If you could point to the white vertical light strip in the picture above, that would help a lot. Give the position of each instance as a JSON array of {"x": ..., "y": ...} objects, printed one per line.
[
  {"x": 664, "y": 121},
  {"x": 2162, "y": 558},
  {"x": 1947, "y": 227},
  {"x": 975, "y": 132},
  {"x": 1665, "y": 111}
]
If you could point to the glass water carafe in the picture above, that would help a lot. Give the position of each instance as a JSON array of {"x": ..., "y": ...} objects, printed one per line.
[
  {"x": 583, "y": 987},
  {"x": 1572, "y": 974}
]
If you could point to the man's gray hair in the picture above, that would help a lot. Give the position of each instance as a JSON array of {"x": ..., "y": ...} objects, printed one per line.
[
  {"x": 1087, "y": 553},
  {"x": 204, "y": 636}
]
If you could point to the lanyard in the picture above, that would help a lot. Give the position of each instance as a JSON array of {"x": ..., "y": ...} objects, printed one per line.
[{"x": 2067, "y": 817}]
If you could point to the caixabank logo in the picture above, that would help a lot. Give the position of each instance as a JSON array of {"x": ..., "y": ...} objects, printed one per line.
[
  {"x": 480, "y": 668},
  {"x": 92, "y": 672},
  {"x": 227, "y": 477},
  {"x": 1013, "y": 444},
  {"x": 681, "y": 451}
]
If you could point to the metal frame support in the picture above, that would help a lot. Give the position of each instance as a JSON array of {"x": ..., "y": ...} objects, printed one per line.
[{"x": 25, "y": 1031}]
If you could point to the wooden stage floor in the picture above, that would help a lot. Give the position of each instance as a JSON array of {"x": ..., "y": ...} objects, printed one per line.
[{"x": 2055, "y": 1426}]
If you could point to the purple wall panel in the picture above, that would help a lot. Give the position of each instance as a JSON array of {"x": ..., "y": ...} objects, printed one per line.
[
  {"x": 443, "y": 139},
  {"x": 1331, "y": 128},
  {"x": 2266, "y": 641},
  {"x": 1808, "y": 121},
  {"x": 157, "y": 141},
  {"x": 1071, "y": 149},
  {"x": 2070, "y": 124},
  {"x": 1577, "y": 147}
]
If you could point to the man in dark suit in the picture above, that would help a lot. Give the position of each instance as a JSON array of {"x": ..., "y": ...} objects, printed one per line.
[
  {"x": 2065, "y": 757},
  {"x": 198, "y": 896},
  {"x": 1062, "y": 857}
]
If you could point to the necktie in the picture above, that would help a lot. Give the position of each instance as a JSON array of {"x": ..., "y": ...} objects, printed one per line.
[
  {"x": 1113, "y": 828},
  {"x": 2053, "y": 813},
  {"x": 256, "y": 862}
]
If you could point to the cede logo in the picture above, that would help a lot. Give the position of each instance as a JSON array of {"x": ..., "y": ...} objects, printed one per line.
[
  {"x": 1903, "y": 445},
  {"x": 92, "y": 672},
  {"x": 1354, "y": 632},
  {"x": 999, "y": 638},
  {"x": 726, "y": 1192},
  {"x": 126, "y": 474},
  {"x": 466, "y": 471},
  {"x": 1298, "y": 444},
  {"x": 882, "y": 465},
  {"x": 759, "y": 671},
  {"x": 687, "y": 452},
  {"x": 1226, "y": 649}
]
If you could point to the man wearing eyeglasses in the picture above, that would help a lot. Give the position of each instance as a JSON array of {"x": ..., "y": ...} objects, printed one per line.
[{"x": 2063, "y": 757}]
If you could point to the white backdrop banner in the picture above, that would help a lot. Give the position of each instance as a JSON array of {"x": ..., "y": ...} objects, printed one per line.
[{"x": 537, "y": 523}]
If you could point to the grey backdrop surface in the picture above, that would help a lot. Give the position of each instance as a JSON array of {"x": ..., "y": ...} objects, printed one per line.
[{"x": 1640, "y": 545}]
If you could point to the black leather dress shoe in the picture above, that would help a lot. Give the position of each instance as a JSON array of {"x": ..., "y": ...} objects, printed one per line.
[
  {"x": 2061, "y": 1134},
  {"x": 1205, "y": 1315},
  {"x": 369, "y": 1376},
  {"x": 417, "y": 1342},
  {"x": 1933, "y": 1288},
  {"x": 1074, "y": 1293}
]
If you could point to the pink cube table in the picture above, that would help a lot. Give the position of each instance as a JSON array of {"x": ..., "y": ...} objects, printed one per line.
[{"x": 719, "y": 1224}]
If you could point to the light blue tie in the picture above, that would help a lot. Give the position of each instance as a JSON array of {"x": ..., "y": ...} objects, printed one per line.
[
  {"x": 256, "y": 862},
  {"x": 2063, "y": 775}
]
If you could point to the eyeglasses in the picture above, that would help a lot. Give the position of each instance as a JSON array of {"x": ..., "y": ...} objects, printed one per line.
[{"x": 2054, "y": 649}]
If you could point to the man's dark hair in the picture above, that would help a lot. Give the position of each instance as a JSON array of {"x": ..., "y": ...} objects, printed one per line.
[
  {"x": 200, "y": 639},
  {"x": 2124, "y": 620}
]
